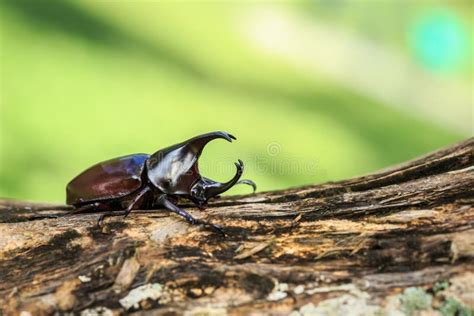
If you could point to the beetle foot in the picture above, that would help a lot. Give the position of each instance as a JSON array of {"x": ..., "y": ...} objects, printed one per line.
[
  {"x": 100, "y": 221},
  {"x": 202, "y": 207},
  {"x": 213, "y": 227},
  {"x": 217, "y": 229}
]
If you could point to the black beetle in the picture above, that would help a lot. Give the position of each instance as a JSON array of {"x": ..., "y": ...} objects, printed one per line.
[{"x": 141, "y": 181}]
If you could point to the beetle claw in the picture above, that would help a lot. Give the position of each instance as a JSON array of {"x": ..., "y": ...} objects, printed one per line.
[
  {"x": 218, "y": 229},
  {"x": 100, "y": 221},
  {"x": 213, "y": 227}
]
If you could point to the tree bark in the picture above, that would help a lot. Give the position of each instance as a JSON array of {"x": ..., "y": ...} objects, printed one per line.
[{"x": 397, "y": 241}]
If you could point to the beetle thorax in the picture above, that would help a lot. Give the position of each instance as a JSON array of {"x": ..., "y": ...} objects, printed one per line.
[{"x": 173, "y": 171}]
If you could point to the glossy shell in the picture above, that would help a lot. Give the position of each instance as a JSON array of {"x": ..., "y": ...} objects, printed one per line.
[
  {"x": 109, "y": 179},
  {"x": 174, "y": 170}
]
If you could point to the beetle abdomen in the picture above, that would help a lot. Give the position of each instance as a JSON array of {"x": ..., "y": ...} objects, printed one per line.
[{"x": 109, "y": 179}]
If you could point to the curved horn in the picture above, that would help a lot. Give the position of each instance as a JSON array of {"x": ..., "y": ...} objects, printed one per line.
[
  {"x": 248, "y": 182},
  {"x": 217, "y": 188},
  {"x": 197, "y": 143}
]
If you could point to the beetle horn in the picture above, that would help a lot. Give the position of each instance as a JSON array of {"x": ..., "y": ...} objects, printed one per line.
[
  {"x": 248, "y": 182},
  {"x": 198, "y": 143},
  {"x": 216, "y": 188}
]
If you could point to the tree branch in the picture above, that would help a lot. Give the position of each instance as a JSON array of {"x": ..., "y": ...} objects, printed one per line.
[{"x": 375, "y": 243}]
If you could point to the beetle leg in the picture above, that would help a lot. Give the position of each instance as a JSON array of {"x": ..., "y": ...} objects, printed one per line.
[
  {"x": 100, "y": 221},
  {"x": 163, "y": 200},
  {"x": 129, "y": 208},
  {"x": 97, "y": 207},
  {"x": 136, "y": 200},
  {"x": 85, "y": 208}
]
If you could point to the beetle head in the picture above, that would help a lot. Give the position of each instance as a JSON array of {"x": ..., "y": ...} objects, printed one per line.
[
  {"x": 174, "y": 170},
  {"x": 204, "y": 189}
]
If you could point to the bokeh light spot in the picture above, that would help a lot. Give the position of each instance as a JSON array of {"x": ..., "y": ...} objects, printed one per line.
[{"x": 440, "y": 39}]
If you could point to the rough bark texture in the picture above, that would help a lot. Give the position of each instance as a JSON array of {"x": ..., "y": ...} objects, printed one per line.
[{"x": 398, "y": 241}]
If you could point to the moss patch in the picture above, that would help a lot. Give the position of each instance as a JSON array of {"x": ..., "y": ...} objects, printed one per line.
[
  {"x": 452, "y": 307},
  {"x": 413, "y": 299}
]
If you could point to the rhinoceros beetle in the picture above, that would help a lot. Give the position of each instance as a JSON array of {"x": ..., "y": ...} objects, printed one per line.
[{"x": 143, "y": 181}]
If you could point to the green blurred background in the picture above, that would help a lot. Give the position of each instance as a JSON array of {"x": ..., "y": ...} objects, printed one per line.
[{"x": 314, "y": 90}]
